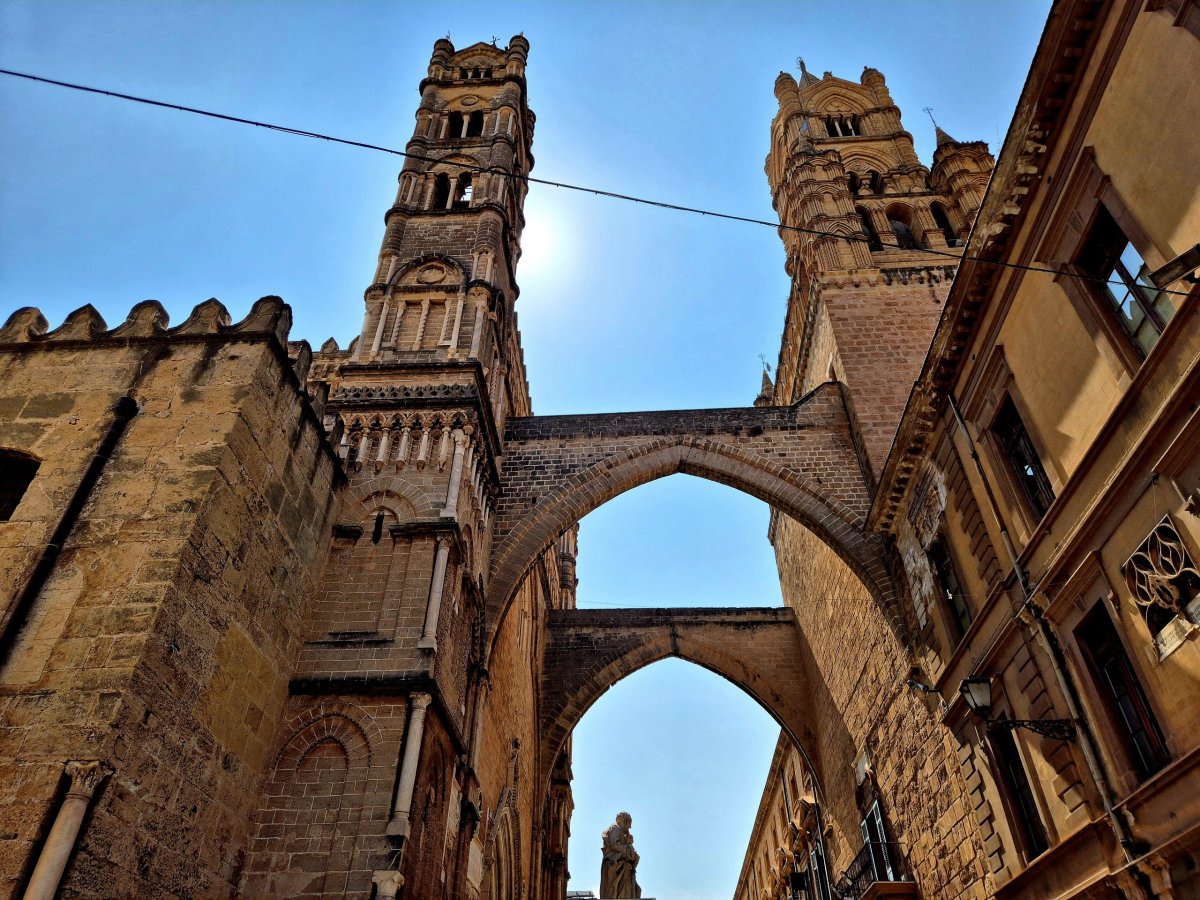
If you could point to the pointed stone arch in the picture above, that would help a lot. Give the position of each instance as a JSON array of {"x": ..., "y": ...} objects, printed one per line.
[
  {"x": 799, "y": 459},
  {"x": 590, "y": 651}
]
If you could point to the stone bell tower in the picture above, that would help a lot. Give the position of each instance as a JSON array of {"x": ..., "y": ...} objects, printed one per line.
[
  {"x": 866, "y": 293},
  {"x": 415, "y": 407}
]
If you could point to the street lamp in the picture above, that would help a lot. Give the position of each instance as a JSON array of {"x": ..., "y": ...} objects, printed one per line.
[{"x": 977, "y": 694}]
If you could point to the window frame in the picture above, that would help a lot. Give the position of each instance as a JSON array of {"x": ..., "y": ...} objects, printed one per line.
[
  {"x": 1009, "y": 463},
  {"x": 1016, "y": 790},
  {"x": 957, "y": 629},
  {"x": 1124, "y": 747},
  {"x": 1088, "y": 189}
]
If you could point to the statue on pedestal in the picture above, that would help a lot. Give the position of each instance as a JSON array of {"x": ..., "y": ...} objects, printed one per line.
[{"x": 618, "y": 871}]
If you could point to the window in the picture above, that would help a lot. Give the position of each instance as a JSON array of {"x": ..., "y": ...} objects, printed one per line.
[
  {"x": 475, "y": 124},
  {"x": 1165, "y": 584},
  {"x": 441, "y": 191},
  {"x": 462, "y": 192},
  {"x": 874, "y": 835},
  {"x": 943, "y": 223},
  {"x": 873, "y": 242},
  {"x": 455, "y": 128},
  {"x": 853, "y": 183},
  {"x": 949, "y": 586},
  {"x": 16, "y": 472},
  {"x": 900, "y": 222},
  {"x": 1131, "y": 720},
  {"x": 842, "y": 126},
  {"x": 1022, "y": 458},
  {"x": 1018, "y": 794},
  {"x": 1108, "y": 256}
]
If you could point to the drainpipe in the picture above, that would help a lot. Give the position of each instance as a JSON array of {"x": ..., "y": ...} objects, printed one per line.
[
  {"x": 52, "y": 861},
  {"x": 1049, "y": 642},
  {"x": 123, "y": 411}
]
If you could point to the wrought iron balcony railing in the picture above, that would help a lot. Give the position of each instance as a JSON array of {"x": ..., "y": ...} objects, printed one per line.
[{"x": 876, "y": 861}]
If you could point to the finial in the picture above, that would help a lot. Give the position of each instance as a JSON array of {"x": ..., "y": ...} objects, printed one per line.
[
  {"x": 942, "y": 137},
  {"x": 807, "y": 78},
  {"x": 766, "y": 365},
  {"x": 494, "y": 39}
]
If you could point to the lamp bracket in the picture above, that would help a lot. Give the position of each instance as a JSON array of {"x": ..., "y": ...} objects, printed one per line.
[{"x": 1055, "y": 729}]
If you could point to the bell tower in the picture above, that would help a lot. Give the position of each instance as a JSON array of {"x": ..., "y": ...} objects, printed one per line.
[
  {"x": 444, "y": 286},
  {"x": 866, "y": 293},
  {"x": 416, "y": 407}
]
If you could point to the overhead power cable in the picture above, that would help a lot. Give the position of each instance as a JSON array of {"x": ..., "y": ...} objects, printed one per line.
[{"x": 951, "y": 257}]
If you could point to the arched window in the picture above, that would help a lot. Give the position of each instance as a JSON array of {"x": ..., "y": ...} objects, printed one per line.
[
  {"x": 900, "y": 222},
  {"x": 842, "y": 126},
  {"x": 853, "y": 182},
  {"x": 874, "y": 182},
  {"x": 441, "y": 191},
  {"x": 873, "y": 242},
  {"x": 475, "y": 124},
  {"x": 462, "y": 192},
  {"x": 504, "y": 875},
  {"x": 455, "y": 128},
  {"x": 16, "y": 473},
  {"x": 943, "y": 222}
]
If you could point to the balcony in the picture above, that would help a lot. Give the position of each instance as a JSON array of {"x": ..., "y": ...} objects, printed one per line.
[{"x": 879, "y": 870}]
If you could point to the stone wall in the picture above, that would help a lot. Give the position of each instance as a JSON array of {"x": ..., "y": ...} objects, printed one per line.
[
  {"x": 163, "y": 640},
  {"x": 862, "y": 703}
]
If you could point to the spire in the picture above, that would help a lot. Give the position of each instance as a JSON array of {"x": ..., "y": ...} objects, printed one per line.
[
  {"x": 942, "y": 137},
  {"x": 766, "y": 394},
  {"x": 807, "y": 78}
]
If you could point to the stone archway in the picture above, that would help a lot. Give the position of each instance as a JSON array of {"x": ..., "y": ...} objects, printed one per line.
[
  {"x": 801, "y": 459},
  {"x": 589, "y": 651}
]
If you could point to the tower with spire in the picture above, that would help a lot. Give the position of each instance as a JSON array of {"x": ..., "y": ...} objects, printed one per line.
[{"x": 871, "y": 235}]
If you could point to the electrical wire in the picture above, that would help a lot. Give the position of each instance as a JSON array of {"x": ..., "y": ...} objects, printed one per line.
[{"x": 950, "y": 256}]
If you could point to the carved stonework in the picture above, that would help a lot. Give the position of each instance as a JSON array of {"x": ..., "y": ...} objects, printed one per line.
[
  {"x": 86, "y": 777},
  {"x": 1165, "y": 584}
]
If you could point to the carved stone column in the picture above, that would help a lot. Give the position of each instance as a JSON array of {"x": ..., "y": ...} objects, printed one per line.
[
  {"x": 52, "y": 861},
  {"x": 433, "y": 609},
  {"x": 398, "y": 826}
]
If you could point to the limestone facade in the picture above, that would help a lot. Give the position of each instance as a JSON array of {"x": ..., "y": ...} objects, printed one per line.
[
  {"x": 278, "y": 622},
  {"x": 1039, "y": 495}
]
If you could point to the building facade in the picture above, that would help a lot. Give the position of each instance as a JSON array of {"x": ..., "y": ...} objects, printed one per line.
[
  {"x": 1039, "y": 493},
  {"x": 279, "y": 622}
]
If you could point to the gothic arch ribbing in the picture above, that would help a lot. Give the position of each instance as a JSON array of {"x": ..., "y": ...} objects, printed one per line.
[{"x": 813, "y": 502}]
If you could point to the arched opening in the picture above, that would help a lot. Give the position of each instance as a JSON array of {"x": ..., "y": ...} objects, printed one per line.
[
  {"x": 678, "y": 793},
  {"x": 475, "y": 124},
  {"x": 17, "y": 471},
  {"x": 441, "y": 191},
  {"x": 455, "y": 128},
  {"x": 462, "y": 191},
  {"x": 853, "y": 183},
  {"x": 873, "y": 242},
  {"x": 504, "y": 868},
  {"x": 900, "y": 222},
  {"x": 677, "y": 541},
  {"x": 943, "y": 223}
]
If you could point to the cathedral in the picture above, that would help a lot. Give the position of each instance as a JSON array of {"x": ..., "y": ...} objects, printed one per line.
[{"x": 285, "y": 622}]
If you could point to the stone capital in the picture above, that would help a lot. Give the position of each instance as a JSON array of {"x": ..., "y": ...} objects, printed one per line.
[
  {"x": 86, "y": 776},
  {"x": 387, "y": 884},
  {"x": 420, "y": 701}
]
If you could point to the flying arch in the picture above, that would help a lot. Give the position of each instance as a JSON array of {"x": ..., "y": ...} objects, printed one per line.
[{"x": 800, "y": 459}]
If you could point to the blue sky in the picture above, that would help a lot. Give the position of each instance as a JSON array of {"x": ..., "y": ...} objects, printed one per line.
[{"x": 622, "y": 307}]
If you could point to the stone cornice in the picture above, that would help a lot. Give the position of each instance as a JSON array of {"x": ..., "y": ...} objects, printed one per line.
[{"x": 1065, "y": 51}]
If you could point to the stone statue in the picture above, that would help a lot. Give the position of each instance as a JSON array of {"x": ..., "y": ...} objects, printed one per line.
[{"x": 618, "y": 871}]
